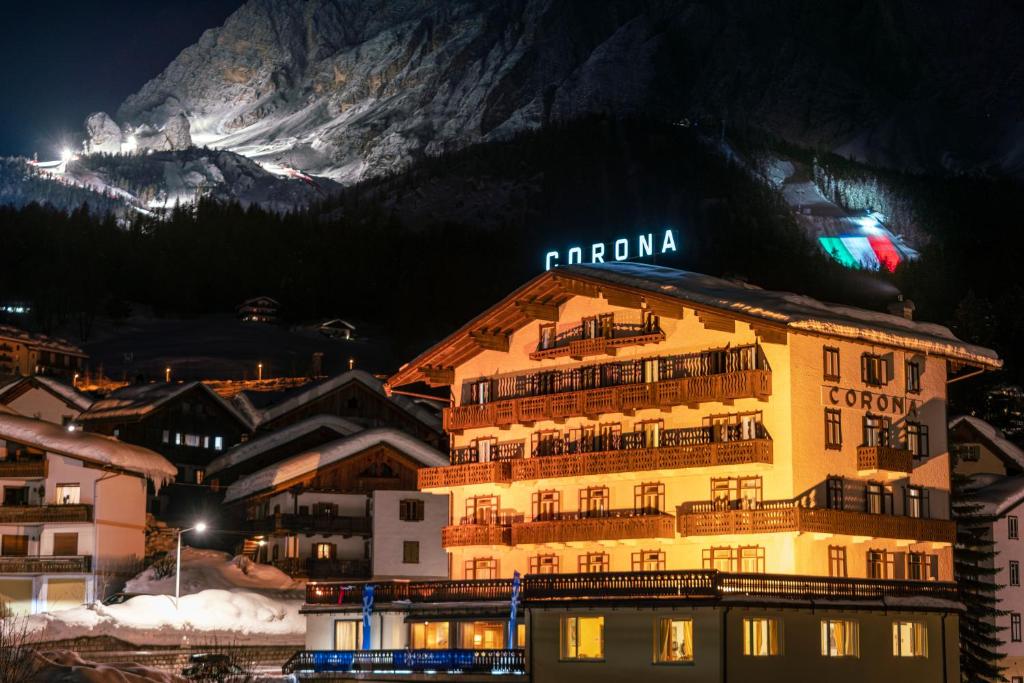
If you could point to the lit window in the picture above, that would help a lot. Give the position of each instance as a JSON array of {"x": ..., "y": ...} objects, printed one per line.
[
  {"x": 218, "y": 443},
  {"x": 840, "y": 638},
  {"x": 347, "y": 634},
  {"x": 909, "y": 639},
  {"x": 323, "y": 551},
  {"x": 430, "y": 635},
  {"x": 166, "y": 436},
  {"x": 760, "y": 637},
  {"x": 200, "y": 475},
  {"x": 68, "y": 494},
  {"x": 582, "y": 638},
  {"x": 674, "y": 641},
  {"x": 483, "y": 635},
  {"x": 177, "y": 438}
]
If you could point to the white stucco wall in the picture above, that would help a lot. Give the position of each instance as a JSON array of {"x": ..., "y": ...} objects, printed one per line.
[{"x": 390, "y": 533}]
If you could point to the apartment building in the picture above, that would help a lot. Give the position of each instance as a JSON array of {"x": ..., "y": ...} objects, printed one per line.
[{"x": 72, "y": 513}]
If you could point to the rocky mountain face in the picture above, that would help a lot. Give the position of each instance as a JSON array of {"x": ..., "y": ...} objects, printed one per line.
[{"x": 358, "y": 88}]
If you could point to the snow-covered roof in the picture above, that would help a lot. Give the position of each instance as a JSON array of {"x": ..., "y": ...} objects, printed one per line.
[
  {"x": 1007, "y": 449},
  {"x": 87, "y": 447},
  {"x": 40, "y": 341},
  {"x": 141, "y": 399},
  {"x": 333, "y": 452},
  {"x": 262, "y": 444},
  {"x": 312, "y": 392},
  {"x": 337, "y": 321},
  {"x": 996, "y": 494},
  {"x": 795, "y": 311},
  {"x": 68, "y": 394}
]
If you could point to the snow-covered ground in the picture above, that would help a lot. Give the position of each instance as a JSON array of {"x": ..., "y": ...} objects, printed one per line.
[{"x": 228, "y": 599}]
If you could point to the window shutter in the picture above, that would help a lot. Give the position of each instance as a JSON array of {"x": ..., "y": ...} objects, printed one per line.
[
  {"x": 864, "y": 368},
  {"x": 933, "y": 567},
  {"x": 899, "y": 565},
  {"x": 888, "y": 369}
]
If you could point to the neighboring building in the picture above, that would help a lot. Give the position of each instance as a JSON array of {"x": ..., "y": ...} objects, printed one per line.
[
  {"x": 349, "y": 509},
  {"x": 995, "y": 466},
  {"x": 45, "y": 398},
  {"x": 338, "y": 329},
  {"x": 72, "y": 515},
  {"x": 355, "y": 395},
  {"x": 746, "y": 482},
  {"x": 260, "y": 309},
  {"x": 187, "y": 423},
  {"x": 24, "y": 353},
  {"x": 272, "y": 447}
]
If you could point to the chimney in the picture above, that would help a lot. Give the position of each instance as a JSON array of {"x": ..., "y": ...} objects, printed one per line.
[{"x": 902, "y": 307}]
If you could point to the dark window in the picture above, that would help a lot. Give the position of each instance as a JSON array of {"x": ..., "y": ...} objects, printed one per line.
[
  {"x": 914, "y": 376},
  {"x": 65, "y": 544},
  {"x": 877, "y": 499},
  {"x": 411, "y": 552},
  {"x": 546, "y": 504},
  {"x": 837, "y": 560},
  {"x": 917, "y": 566},
  {"x": 830, "y": 364},
  {"x": 15, "y": 495},
  {"x": 917, "y": 439},
  {"x": 649, "y": 499},
  {"x": 874, "y": 370},
  {"x": 916, "y": 503},
  {"x": 1015, "y": 627},
  {"x": 1012, "y": 529},
  {"x": 12, "y": 545},
  {"x": 881, "y": 564},
  {"x": 833, "y": 429},
  {"x": 410, "y": 510},
  {"x": 1014, "y": 573},
  {"x": 876, "y": 430},
  {"x": 834, "y": 493}
]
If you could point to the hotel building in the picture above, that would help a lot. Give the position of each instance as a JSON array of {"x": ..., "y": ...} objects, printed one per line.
[{"x": 680, "y": 452}]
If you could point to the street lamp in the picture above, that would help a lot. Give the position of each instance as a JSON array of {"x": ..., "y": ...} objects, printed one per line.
[
  {"x": 199, "y": 528},
  {"x": 259, "y": 369}
]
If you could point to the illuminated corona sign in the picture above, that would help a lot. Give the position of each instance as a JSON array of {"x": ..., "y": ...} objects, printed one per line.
[{"x": 619, "y": 250}]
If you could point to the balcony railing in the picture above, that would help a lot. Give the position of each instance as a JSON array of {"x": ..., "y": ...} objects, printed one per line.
[
  {"x": 45, "y": 564},
  {"x": 718, "y": 375},
  {"x": 480, "y": 530},
  {"x": 415, "y": 661},
  {"x": 630, "y": 452},
  {"x": 888, "y": 458},
  {"x": 504, "y": 451},
  {"x": 23, "y": 469},
  {"x": 332, "y": 524},
  {"x": 708, "y": 519},
  {"x": 308, "y": 567},
  {"x": 38, "y": 514},
  {"x": 565, "y": 527},
  {"x": 666, "y": 585},
  {"x": 581, "y": 341}
]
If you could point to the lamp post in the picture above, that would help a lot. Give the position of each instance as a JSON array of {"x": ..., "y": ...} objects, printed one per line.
[
  {"x": 259, "y": 369},
  {"x": 199, "y": 528}
]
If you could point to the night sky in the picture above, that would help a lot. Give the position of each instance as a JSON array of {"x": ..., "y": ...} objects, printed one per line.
[{"x": 60, "y": 61}]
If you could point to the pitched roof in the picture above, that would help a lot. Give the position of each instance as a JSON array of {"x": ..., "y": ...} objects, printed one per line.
[
  {"x": 137, "y": 401},
  {"x": 335, "y": 451},
  {"x": 993, "y": 438},
  {"x": 996, "y": 495},
  {"x": 661, "y": 287},
  {"x": 69, "y": 395},
  {"x": 40, "y": 341},
  {"x": 264, "y": 443},
  {"x": 300, "y": 396},
  {"x": 87, "y": 447}
]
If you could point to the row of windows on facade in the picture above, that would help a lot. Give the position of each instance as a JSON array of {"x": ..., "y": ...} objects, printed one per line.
[
  {"x": 16, "y": 545},
  {"x": 582, "y": 638},
  {"x": 64, "y": 494},
  {"x": 409, "y": 510},
  {"x": 435, "y": 635},
  {"x": 880, "y": 563},
  {"x": 875, "y": 370},
  {"x": 876, "y": 430},
  {"x": 192, "y": 440},
  {"x": 329, "y": 551},
  {"x": 725, "y": 492}
]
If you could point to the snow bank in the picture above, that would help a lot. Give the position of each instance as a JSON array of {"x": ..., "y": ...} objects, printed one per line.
[
  {"x": 67, "y": 667},
  {"x": 93, "y": 448},
  {"x": 205, "y": 569}
]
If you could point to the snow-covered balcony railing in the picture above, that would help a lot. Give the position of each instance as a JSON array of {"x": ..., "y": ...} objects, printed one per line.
[
  {"x": 603, "y": 525},
  {"x": 884, "y": 458},
  {"x": 480, "y": 530},
  {"x": 39, "y": 514},
  {"x": 455, "y": 662},
  {"x": 618, "y": 387},
  {"x": 45, "y": 564},
  {"x": 596, "y": 337},
  {"x": 316, "y": 568},
  {"x": 315, "y": 523},
  {"x": 656, "y": 585},
  {"x": 23, "y": 469}
]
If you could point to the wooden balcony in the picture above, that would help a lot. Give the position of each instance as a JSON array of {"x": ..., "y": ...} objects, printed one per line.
[
  {"x": 465, "y": 475},
  {"x": 784, "y": 516},
  {"x": 476, "y": 534},
  {"x": 321, "y": 524},
  {"x": 626, "y": 398},
  {"x": 39, "y": 514},
  {"x": 887, "y": 458},
  {"x": 23, "y": 469},
  {"x": 43, "y": 564},
  {"x": 598, "y": 346},
  {"x": 610, "y": 526}
]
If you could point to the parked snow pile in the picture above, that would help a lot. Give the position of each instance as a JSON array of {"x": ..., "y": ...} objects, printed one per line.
[{"x": 205, "y": 569}]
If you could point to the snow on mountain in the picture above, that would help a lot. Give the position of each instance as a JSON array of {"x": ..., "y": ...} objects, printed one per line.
[{"x": 356, "y": 88}]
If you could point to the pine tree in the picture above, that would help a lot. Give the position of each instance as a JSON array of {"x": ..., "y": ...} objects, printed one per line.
[{"x": 975, "y": 572}]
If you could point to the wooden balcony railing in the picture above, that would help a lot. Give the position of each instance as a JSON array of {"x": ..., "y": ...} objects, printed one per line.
[
  {"x": 313, "y": 568},
  {"x": 619, "y": 399},
  {"x": 594, "y": 526},
  {"x": 666, "y": 585},
  {"x": 432, "y": 662},
  {"x": 886, "y": 458},
  {"x": 329, "y": 524},
  {"x": 38, "y": 514},
  {"x": 621, "y": 335},
  {"x": 464, "y": 475},
  {"x": 492, "y": 530},
  {"x": 23, "y": 469},
  {"x": 775, "y": 516},
  {"x": 45, "y": 564}
]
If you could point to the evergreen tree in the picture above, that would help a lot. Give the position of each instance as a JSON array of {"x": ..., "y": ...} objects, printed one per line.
[{"x": 975, "y": 572}]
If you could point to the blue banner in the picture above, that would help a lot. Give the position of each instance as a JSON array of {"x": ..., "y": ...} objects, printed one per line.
[
  {"x": 367, "y": 611},
  {"x": 516, "y": 582}
]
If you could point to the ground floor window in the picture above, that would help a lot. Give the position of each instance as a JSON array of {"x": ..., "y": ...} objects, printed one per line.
[
  {"x": 837, "y": 560},
  {"x": 840, "y": 638},
  {"x": 544, "y": 564},
  {"x": 909, "y": 639},
  {"x": 482, "y": 568},
  {"x": 483, "y": 635},
  {"x": 582, "y": 638},
  {"x": 346, "y": 634},
  {"x": 747, "y": 559},
  {"x": 674, "y": 640},
  {"x": 760, "y": 637},
  {"x": 429, "y": 635},
  {"x": 593, "y": 562},
  {"x": 649, "y": 561}
]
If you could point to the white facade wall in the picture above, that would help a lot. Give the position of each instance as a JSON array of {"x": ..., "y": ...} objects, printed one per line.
[
  {"x": 43, "y": 405},
  {"x": 390, "y": 534},
  {"x": 1011, "y": 597}
]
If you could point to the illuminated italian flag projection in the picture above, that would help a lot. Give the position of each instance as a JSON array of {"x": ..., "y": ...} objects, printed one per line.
[{"x": 873, "y": 252}]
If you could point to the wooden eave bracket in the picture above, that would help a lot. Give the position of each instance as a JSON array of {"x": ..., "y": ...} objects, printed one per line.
[
  {"x": 437, "y": 376},
  {"x": 537, "y": 310},
  {"x": 492, "y": 341}
]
